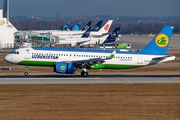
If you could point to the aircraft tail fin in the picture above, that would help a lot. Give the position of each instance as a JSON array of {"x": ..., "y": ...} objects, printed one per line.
[
  {"x": 159, "y": 44},
  {"x": 97, "y": 26},
  {"x": 76, "y": 27},
  {"x": 86, "y": 33},
  {"x": 106, "y": 27},
  {"x": 66, "y": 26},
  {"x": 87, "y": 26},
  {"x": 113, "y": 35}
]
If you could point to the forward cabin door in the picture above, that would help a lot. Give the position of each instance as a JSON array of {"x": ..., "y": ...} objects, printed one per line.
[{"x": 27, "y": 54}]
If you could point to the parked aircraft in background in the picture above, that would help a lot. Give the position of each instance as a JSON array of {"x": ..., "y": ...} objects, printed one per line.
[
  {"x": 64, "y": 34},
  {"x": 112, "y": 37},
  {"x": 67, "y": 61},
  {"x": 66, "y": 26},
  {"x": 87, "y": 26},
  {"x": 97, "y": 26},
  {"x": 76, "y": 27},
  {"x": 85, "y": 40}
]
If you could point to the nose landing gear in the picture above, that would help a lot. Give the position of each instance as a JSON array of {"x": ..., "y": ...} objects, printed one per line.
[{"x": 26, "y": 73}]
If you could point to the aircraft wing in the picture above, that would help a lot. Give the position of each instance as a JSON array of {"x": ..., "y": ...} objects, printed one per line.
[
  {"x": 92, "y": 61},
  {"x": 76, "y": 43},
  {"x": 81, "y": 42}
]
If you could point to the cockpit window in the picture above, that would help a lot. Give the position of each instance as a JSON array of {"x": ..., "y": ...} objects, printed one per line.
[
  {"x": 12, "y": 52},
  {"x": 15, "y": 52}
]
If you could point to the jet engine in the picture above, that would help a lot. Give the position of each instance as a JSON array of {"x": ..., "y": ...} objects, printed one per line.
[{"x": 64, "y": 67}]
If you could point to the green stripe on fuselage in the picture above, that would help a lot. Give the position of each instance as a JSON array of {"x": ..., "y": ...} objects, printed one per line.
[
  {"x": 37, "y": 63},
  {"x": 114, "y": 66}
]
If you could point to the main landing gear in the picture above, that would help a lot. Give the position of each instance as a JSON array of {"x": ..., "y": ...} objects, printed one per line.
[
  {"x": 84, "y": 73},
  {"x": 26, "y": 73}
]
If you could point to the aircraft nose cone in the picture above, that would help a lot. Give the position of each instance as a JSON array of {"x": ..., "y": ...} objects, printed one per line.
[{"x": 6, "y": 58}]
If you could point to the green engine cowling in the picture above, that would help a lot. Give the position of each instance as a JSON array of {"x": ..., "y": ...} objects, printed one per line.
[{"x": 65, "y": 68}]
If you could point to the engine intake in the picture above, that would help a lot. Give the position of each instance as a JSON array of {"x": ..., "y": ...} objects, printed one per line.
[{"x": 64, "y": 67}]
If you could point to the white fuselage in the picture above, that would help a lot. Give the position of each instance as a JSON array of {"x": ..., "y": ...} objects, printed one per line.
[{"x": 122, "y": 58}]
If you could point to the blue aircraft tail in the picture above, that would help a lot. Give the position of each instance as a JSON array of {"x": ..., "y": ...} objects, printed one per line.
[
  {"x": 66, "y": 26},
  {"x": 159, "y": 44},
  {"x": 113, "y": 35},
  {"x": 86, "y": 33},
  {"x": 76, "y": 27},
  {"x": 97, "y": 26},
  {"x": 87, "y": 26}
]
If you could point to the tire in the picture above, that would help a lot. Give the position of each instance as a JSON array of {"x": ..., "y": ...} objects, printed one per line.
[
  {"x": 85, "y": 74},
  {"x": 82, "y": 73},
  {"x": 25, "y": 73}
]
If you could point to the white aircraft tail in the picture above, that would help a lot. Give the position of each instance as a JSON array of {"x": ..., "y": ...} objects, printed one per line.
[
  {"x": 7, "y": 31},
  {"x": 106, "y": 27}
]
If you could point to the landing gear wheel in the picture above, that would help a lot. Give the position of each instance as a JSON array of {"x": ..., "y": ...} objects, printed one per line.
[
  {"x": 84, "y": 74},
  {"x": 26, "y": 73}
]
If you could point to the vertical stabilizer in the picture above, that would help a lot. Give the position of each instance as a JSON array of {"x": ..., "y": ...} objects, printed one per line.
[
  {"x": 66, "y": 26},
  {"x": 106, "y": 27},
  {"x": 76, "y": 27},
  {"x": 86, "y": 33},
  {"x": 97, "y": 26},
  {"x": 7, "y": 31},
  {"x": 87, "y": 26},
  {"x": 159, "y": 44},
  {"x": 113, "y": 35}
]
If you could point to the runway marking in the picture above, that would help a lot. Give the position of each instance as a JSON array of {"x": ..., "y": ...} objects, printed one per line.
[
  {"x": 93, "y": 79},
  {"x": 51, "y": 78}
]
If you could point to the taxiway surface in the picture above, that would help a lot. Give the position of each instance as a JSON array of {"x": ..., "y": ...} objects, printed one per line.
[{"x": 92, "y": 79}]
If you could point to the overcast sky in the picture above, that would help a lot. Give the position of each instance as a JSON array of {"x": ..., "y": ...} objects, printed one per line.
[{"x": 66, "y": 8}]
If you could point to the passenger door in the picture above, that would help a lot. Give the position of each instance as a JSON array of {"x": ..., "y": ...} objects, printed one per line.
[
  {"x": 140, "y": 59},
  {"x": 27, "y": 54}
]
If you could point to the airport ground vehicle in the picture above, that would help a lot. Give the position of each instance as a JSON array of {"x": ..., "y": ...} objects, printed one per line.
[{"x": 119, "y": 46}]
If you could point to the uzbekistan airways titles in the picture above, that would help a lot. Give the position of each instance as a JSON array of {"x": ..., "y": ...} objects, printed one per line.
[{"x": 44, "y": 56}]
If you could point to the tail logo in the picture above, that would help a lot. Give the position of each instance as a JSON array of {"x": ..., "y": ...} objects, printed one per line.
[
  {"x": 113, "y": 35},
  {"x": 106, "y": 27},
  {"x": 162, "y": 40}
]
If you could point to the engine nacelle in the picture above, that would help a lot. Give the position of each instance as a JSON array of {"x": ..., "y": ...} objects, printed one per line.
[{"x": 66, "y": 68}]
